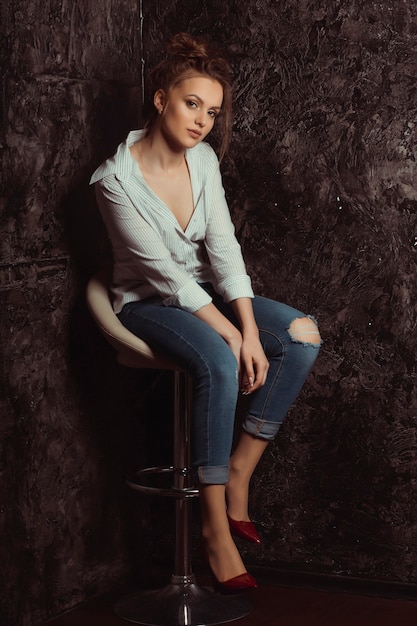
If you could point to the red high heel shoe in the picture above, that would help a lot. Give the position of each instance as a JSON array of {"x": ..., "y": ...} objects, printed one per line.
[
  {"x": 244, "y": 530},
  {"x": 238, "y": 584},
  {"x": 244, "y": 582}
]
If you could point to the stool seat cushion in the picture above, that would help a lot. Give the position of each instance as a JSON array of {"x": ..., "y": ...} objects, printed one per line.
[{"x": 131, "y": 350}]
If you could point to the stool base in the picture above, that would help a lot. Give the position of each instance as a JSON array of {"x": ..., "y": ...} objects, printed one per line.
[{"x": 182, "y": 604}]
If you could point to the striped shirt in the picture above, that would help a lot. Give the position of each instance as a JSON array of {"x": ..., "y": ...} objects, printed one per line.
[{"x": 152, "y": 254}]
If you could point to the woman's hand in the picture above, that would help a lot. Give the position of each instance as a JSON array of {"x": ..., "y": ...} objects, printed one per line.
[
  {"x": 250, "y": 357},
  {"x": 254, "y": 365}
]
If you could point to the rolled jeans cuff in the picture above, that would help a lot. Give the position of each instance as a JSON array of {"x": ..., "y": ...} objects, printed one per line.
[
  {"x": 261, "y": 428},
  {"x": 218, "y": 475}
]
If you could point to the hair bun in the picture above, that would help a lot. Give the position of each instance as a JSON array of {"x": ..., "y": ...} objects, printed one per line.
[{"x": 185, "y": 45}]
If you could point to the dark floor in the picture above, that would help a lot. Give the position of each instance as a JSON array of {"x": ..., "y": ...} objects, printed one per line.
[{"x": 280, "y": 605}]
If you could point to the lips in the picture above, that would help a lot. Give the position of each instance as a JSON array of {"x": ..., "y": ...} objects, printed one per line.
[{"x": 195, "y": 134}]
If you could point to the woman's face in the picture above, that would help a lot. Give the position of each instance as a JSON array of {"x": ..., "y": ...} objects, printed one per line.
[{"x": 189, "y": 110}]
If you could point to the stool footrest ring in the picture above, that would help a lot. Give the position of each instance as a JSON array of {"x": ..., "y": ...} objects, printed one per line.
[{"x": 136, "y": 482}]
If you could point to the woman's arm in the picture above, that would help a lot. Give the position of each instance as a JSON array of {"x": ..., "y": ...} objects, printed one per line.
[
  {"x": 228, "y": 331},
  {"x": 223, "y": 248},
  {"x": 245, "y": 344},
  {"x": 254, "y": 364},
  {"x": 233, "y": 283}
]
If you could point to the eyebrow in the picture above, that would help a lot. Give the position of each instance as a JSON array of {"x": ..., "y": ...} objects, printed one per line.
[{"x": 194, "y": 95}]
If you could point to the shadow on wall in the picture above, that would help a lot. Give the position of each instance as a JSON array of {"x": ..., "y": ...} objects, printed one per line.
[
  {"x": 112, "y": 113},
  {"x": 128, "y": 412},
  {"x": 71, "y": 76}
]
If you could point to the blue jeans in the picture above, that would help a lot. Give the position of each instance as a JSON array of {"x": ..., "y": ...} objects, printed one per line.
[{"x": 201, "y": 351}]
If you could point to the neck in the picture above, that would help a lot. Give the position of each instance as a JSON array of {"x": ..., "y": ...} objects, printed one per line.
[{"x": 158, "y": 153}]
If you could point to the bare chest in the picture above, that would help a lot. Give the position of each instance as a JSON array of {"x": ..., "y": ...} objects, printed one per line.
[{"x": 175, "y": 192}]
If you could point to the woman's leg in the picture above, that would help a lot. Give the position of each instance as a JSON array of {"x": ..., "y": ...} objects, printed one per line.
[
  {"x": 291, "y": 342},
  {"x": 213, "y": 367},
  {"x": 200, "y": 350},
  {"x": 243, "y": 462},
  {"x": 221, "y": 551}
]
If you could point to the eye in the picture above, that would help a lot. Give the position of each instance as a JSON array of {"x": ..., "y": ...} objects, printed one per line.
[
  {"x": 213, "y": 114},
  {"x": 192, "y": 104}
]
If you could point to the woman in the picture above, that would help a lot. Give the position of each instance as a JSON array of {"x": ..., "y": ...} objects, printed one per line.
[{"x": 180, "y": 283}]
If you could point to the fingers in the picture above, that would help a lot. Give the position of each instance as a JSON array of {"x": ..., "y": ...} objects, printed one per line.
[
  {"x": 247, "y": 385},
  {"x": 248, "y": 375},
  {"x": 254, "y": 376}
]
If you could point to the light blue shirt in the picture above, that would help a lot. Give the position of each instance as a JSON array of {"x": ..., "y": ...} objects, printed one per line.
[{"x": 152, "y": 254}]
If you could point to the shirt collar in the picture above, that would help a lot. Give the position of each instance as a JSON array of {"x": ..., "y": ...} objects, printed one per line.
[{"x": 120, "y": 164}]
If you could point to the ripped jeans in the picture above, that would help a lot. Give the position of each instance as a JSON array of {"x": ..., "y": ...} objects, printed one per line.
[{"x": 290, "y": 341}]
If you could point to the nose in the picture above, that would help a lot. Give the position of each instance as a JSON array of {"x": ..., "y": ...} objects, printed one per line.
[{"x": 201, "y": 119}]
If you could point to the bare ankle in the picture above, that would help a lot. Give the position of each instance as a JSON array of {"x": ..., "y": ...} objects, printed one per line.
[
  {"x": 237, "y": 501},
  {"x": 223, "y": 558}
]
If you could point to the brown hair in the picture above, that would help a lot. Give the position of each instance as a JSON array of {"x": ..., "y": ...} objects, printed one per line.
[{"x": 186, "y": 56}]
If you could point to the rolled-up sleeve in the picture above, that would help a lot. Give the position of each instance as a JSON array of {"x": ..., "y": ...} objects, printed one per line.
[{"x": 222, "y": 247}]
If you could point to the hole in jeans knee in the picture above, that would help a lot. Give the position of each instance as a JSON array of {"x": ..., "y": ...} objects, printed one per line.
[{"x": 304, "y": 330}]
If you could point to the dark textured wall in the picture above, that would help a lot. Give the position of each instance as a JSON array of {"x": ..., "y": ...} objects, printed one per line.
[
  {"x": 71, "y": 76},
  {"x": 321, "y": 182}
]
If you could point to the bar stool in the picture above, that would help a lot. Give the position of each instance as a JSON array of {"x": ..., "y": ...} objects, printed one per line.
[{"x": 182, "y": 602}]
